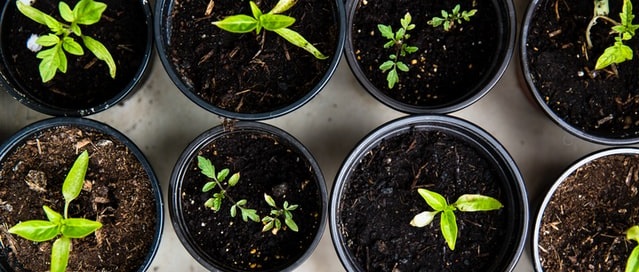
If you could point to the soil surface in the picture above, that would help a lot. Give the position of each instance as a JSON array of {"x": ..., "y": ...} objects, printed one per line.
[
  {"x": 381, "y": 198},
  {"x": 447, "y": 66},
  {"x": 87, "y": 82},
  {"x": 267, "y": 164},
  {"x": 584, "y": 224},
  {"x": 562, "y": 68},
  {"x": 249, "y": 73},
  {"x": 117, "y": 193}
]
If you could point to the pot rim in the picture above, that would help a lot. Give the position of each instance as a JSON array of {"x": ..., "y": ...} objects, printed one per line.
[
  {"x": 500, "y": 64},
  {"x": 162, "y": 28},
  {"x": 6, "y": 80},
  {"x": 19, "y": 137},
  {"x": 205, "y": 138},
  {"x": 472, "y": 134},
  {"x": 550, "y": 193},
  {"x": 525, "y": 68}
]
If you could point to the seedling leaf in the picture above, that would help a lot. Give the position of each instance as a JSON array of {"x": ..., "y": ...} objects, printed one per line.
[
  {"x": 100, "y": 52},
  {"x": 74, "y": 181},
  {"x": 237, "y": 23},
  {"x": 79, "y": 227},
  {"x": 475, "y": 202},
  {"x": 60, "y": 254},
  {"x": 36, "y": 230},
  {"x": 449, "y": 228}
]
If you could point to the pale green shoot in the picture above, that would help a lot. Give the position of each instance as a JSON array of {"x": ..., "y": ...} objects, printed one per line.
[
  {"x": 618, "y": 52},
  {"x": 632, "y": 265},
  {"x": 448, "y": 224},
  {"x": 272, "y": 222},
  {"x": 448, "y": 19},
  {"x": 396, "y": 40}
]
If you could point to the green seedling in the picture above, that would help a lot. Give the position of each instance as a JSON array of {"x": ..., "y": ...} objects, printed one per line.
[
  {"x": 397, "y": 40},
  {"x": 625, "y": 30},
  {"x": 448, "y": 19},
  {"x": 271, "y": 21},
  {"x": 448, "y": 223},
  {"x": 62, "y": 228},
  {"x": 218, "y": 180},
  {"x": 53, "y": 59},
  {"x": 632, "y": 265},
  {"x": 272, "y": 222}
]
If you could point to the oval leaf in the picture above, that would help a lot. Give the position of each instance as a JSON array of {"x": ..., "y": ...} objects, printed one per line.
[
  {"x": 100, "y": 52},
  {"x": 297, "y": 40},
  {"x": 48, "y": 40},
  {"x": 434, "y": 200},
  {"x": 291, "y": 224},
  {"x": 632, "y": 265},
  {"x": 35, "y": 230},
  {"x": 449, "y": 228},
  {"x": 53, "y": 216},
  {"x": 88, "y": 12},
  {"x": 65, "y": 11},
  {"x": 206, "y": 167},
  {"x": 60, "y": 254},
  {"x": 237, "y": 23},
  {"x": 209, "y": 186},
  {"x": 234, "y": 179},
  {"x": 276, "y": 21},
  {"x": 473, "y": 203},
  {"x": 633, "y": 233},
  {"x": 71, "y": 46},
  {"x": 79, "y": 227},
  {"x": 423, "y": 219},
  {"x": 222, "y": 174},
  {"x": 270, "y": 201},
  {"x": 75, "y": 178}
]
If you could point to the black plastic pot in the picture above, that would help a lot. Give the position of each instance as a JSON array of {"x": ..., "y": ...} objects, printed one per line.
[
  {"x": 20, "y": 137},
  {"x": 180, "y": 192},
  {"x": 163, "y": 27},
  {"x": 508, "y": 180},
  {"x": 498, "y": 62},
  {"x": 612, "y": 177},
  {"x": 45, "y": 99}
]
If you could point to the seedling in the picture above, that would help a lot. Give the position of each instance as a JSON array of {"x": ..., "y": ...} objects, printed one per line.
[
  {"x": 218, "y": 181},
  {"x": 273, "y": 222},
  {"x": 625, "y": 30},
  {"x": 85, "y": 12},
  {"x": 632, "y": 265},
  {"x": 397, "y": 40},
  {"x": 271, "y": 21},
  {"x": 448, "y": 223},
  {"x": 448, "y": 19},
  {"x": 62, "y": 228}
]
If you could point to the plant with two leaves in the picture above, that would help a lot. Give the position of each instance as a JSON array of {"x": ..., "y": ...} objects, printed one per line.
[
  {"x": 397, "y": 40},
  {"x": 272, "y": 222},
  {"x": 271, "y": 21},
  {"x": 448, "y": 221},
  {"x": 218, "y": 179},
  {"x": 62, "y": 227},
  {"x": 85, "y": 12},
  {"x": 448, "y": 19},
  {"x": 625, "y": 30},
  {"x": 632, "y": 265}
]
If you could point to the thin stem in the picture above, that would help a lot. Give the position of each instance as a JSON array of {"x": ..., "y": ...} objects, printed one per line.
[{"x": 592, "y": 23}]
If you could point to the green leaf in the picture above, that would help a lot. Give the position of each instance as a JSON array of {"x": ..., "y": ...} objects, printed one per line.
[
  {"x": 399, "y": 35},
  {"x": 215, "y": 203},
  {"x": 456, "y": 9},
  {"x": 626, "y": 13},
  {"x": 36, "y": 230},
  {"x": 423, "y": 219},
  {"x": 48, "y": 40},
  {"x": 75, "y": 28},
  {"x": 436, "y": 21},
  {"x": 448, "y": 25},
  {"x": 402, "y": 66},
  {"x": 467, "y": 14},
  {"x": 71, "y": 46},
  {"x": 249, "y": 214},
  {"x": 282, "y": 6},
  {"x": 53, "y": 216},
  {"x": 234, "y": 179},
  {"x": 290, "y": 208},
  {"x": 617, "y": 53},
  {"x": 237, "y": 23},
  {"x": 33, "y": 13},
  {"x": 387, "y": 65},
  {"x": 60, "y": 254},
  {"x": 474, "y": 202},
  {"x": 632, "y": 265},
  {"x": 276, "y": 21},
  {"x": 241, "y": 203},
  {"x": 206, "y": 167},
  {"x": 79, "y": 227},
  {"x": 233, "y": 210},
  {"x": 291, "y": 224},
  {"x": 222, "y": 174},
  {"x": 270, "y": 201},
  {"x": 633, "y": 233},
  {"x": 411, "y": 49},
  {"x": 50, "y": 63},
  {"x": 297, "y": 40},
  {"x": 449, "y": 228},
  {"x": 65, "y": 12},
  {"x": 392, "y": 78},
  {"x": 434, "y": 200},
  {"x": 386, "y": 31},
  {"x": 100, "y": 52},
  {"x": 88, "y": 12},
  {"x": 405, "y": 22},
  {"x": 209, "y": 186},
  {"x": 75, "y": 178}
]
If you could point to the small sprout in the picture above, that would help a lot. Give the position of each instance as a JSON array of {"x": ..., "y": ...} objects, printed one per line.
[
  {"x": 273, "y": 222},
  {"x": 625, "y": 30},
  {"x": 448, "y": 19},
  {"x": 271, "y": 21},
  {"x": 632, "y": 265},
  {"x": 448, "y": 224},
  {"x": 62, "y": 227},
  {"x": 396, "y": 40},
  {"x": 53, "y": 59}
]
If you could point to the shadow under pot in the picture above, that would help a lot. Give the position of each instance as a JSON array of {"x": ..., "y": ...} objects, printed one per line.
[
  {"x": 120, "y": 191},
  {"x": 584, "y": 218},
  {"x": 561, "y": 45},
  {"x": 249, "y": 76},
  {"x": 433, "y": 68},
  {"x": 89, "y": 85},
  {"x": 378, "y": 214},
  {"x": 267, "y": 213}
]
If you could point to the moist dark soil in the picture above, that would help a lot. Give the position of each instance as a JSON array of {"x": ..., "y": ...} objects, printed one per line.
[
  {"x": 249, "y": 73},
  {"x": 117, "y": 192},
  {"x": 267, "y": 165},
  {"x": 87, "y": 82},
  {"x": 562, "y": 69},
  {"x": 381, "y": 198},
  {"x": 447, "y": 66},
  {"x": 584, "y": 224}
]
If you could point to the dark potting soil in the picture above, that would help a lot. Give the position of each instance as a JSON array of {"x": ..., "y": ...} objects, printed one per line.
[
  {"x": 268, "y": 165},
  {"x": 584, "y": 224},
  {"x": 562, "y": 68},
  {"x": 447, "y": 64},
  {"x": 87, "y": 82},
  {"x": 117, "y": 193},
  {"x": 249, "y": 73},
  {"x": 381, "y": 198}
]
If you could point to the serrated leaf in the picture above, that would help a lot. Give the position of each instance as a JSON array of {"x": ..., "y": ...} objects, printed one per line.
[
  {"x": 65, "y": 12},
  {"x": 449, "y": 228},
  {"x": 405, "y": 22},
  {"x": 88, "y": 12},
  {"x": 79, "y": 227},
  {"x": 299, "y": 41},
  {"x": 74, "y": 180},
  {"x": 237, "y": 23},
  {"x": 222, "y": 174},
  {"x": 433, "y": 199},
  {"x": 617, "y": 53},
  {"x": 250, "y": 214},
  {"x": 402, "y": 66},
  {"x": 399, "y": 35},
  {"x": 276, "y": 21},
  {"x": 386, "y": 31},
  {"x": 71, "y": 46},
  {"x": 206, "y": 167},
  {"x": 36, "y": 230},
  {"x": 60, "y": 254},
  {"x": 475, "y": 202},
  {"x": 456, "y": 9},
  {"x": 100, "y": 52}
]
